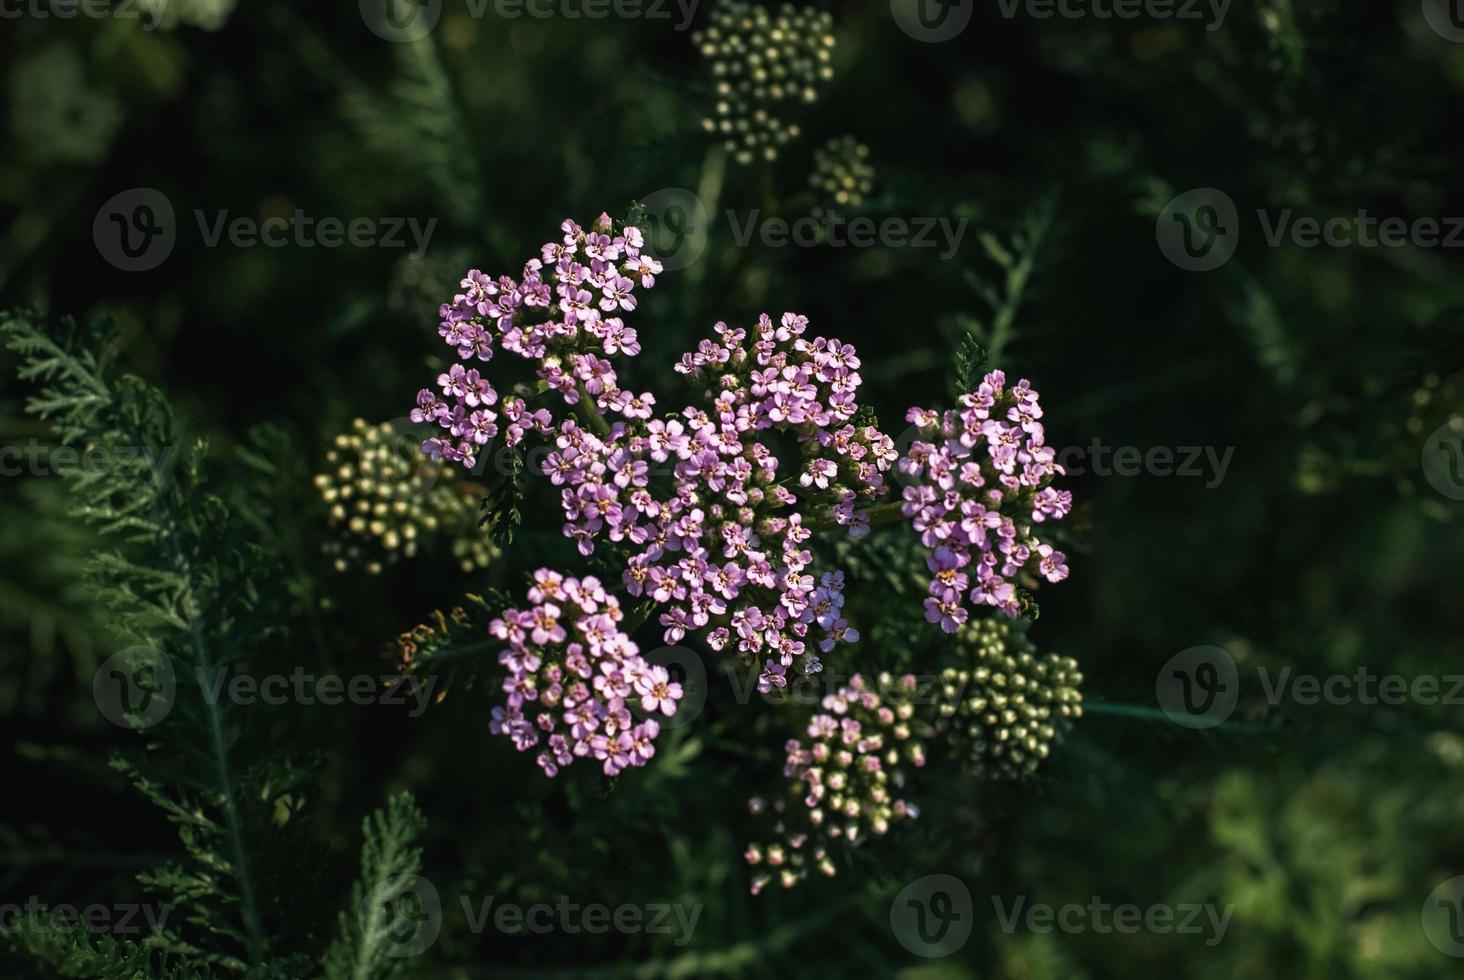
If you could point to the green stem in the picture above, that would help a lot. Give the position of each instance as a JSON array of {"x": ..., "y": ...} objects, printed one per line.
[
  {"x": 888, "y": 512},
  {"x": 590, "y": 415}
]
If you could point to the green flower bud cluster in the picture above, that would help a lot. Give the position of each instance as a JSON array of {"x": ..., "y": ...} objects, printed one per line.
[
  {"x": 842, "y": 174},
  {"x": 386, "y": 500},
  {"x": 845, "y": 780},
  {"x": 1003, "y": 709},
  {"x": 763, "y": 63}
]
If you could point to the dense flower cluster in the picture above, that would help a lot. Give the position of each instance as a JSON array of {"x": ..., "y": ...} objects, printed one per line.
[
  {"x": 977, "y": 480},
  {"x": 724, "y": 549},
  {"x": 563, "y": 314},
  {"x": 574, "y": 677},
  {"x": 762, "y": 61},
  {"x": 845, "y": 777},
  {"x": 384, "y": 501},
  {"x": 842, "y": 175},
  {"x": 1003, "y": 710}
]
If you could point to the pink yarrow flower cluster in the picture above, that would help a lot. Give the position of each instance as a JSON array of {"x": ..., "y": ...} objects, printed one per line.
[
  {"x": 724, "y": 549},
  {"x": 564, "y": 313},
  {"x": 573, "y": 678},
  {"x": 979, "y": 480}
]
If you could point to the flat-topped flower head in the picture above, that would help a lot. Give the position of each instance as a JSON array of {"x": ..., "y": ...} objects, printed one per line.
[
  {"x": 979, "y": 478},
  {"x": 573, "y": 678},
  {"x": 563, "y": 313}
]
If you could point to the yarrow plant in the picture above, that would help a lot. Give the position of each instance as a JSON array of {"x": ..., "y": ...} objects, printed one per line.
[
  {"x": 573, "y": 677},
  {"x": 978, "y": 480},
  {"x": 709, "y": 514}
]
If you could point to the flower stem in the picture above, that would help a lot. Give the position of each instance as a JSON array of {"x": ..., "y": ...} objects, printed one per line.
[{"x": 590, "y": 415}]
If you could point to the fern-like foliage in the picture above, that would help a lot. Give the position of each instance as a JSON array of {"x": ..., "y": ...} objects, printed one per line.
[
  {"x": 1017, "y": 260},
  {"x": 183, "y": 583},
  {"x": 72, "y": 952},
  {"x": 377, "y": 916}
]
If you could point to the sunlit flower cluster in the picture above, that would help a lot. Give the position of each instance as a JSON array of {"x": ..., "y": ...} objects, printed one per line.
[
  {"x": 978, "y": 479},
  {"x": 573, "y": 679},
  {"x": 563, "y": 314},
  {"x": 846, "y": 778},
  {"x": 723, "y": 548}
]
